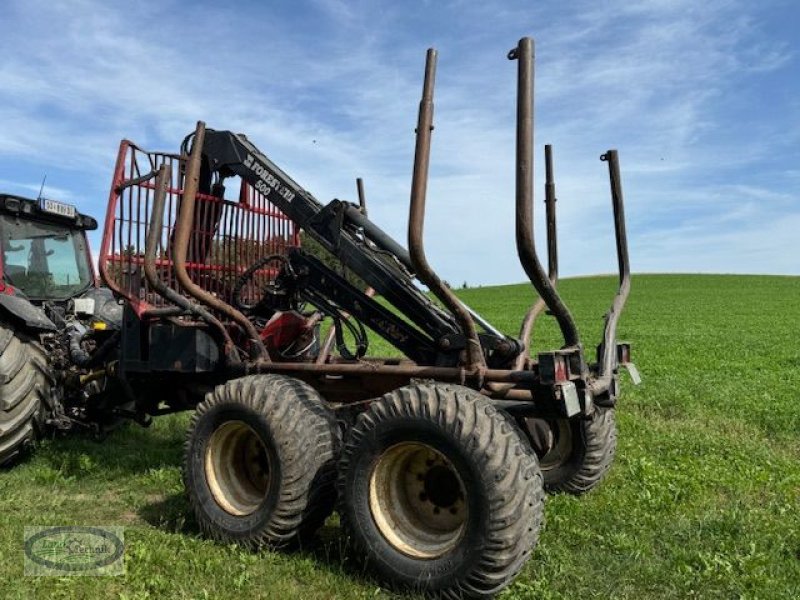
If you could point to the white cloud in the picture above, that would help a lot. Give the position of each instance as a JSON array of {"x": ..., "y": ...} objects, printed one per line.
[
  {"x": 33, "y": 190},
  {"x": 330, "y": 91}
]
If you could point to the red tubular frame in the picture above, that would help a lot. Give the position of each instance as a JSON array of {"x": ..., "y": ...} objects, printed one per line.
[{"x": 246, "y": 229}]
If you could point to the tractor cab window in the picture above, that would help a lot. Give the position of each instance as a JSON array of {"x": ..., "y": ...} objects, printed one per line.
[{"x": 44, "y": 260}]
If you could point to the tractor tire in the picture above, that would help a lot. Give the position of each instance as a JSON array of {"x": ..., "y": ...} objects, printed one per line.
[
  {"x": 25, "y": 383},
  {"x": 439, "y": 492},
  {"x": 260, "y": 461},
  {"x": 581, "y": 451}
]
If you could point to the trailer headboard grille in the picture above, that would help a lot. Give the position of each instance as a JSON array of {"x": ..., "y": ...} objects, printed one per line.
[{"x": 228, "y": 235}]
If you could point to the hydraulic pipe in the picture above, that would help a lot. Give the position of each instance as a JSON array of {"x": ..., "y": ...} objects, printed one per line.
[
  {"x": 183, "y": 230},
  {"x": 552, "y": 255},
  {"x": 607, "y": 352},
  {"x": 526, "y": 249},
  {"x": 382, "y": 240},
  {"x": 325, "y": 350},
  {"x": 416, "y": 221},
  {"x": 377, "y": 236},
  {"x": 183, "y": 304}
]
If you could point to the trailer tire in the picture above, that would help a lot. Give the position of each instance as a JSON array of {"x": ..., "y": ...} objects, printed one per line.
[
  {"x": 582, "y": 453},
  {"x": 439, "y": 492},
  {"x": 260, "y": 461},
  {"x": 25, "y": 384}
]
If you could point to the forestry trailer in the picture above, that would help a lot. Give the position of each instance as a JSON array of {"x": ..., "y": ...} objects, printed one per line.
[{"x": 437, "y": 461}]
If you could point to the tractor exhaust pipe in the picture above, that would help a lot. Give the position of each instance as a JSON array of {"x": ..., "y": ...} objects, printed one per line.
[
  {"x": 526, "y": 249},
  {"x": 416, "y": 221},
  {"x": 552, "y": 256},
  {"x": 607, "y": 351}
]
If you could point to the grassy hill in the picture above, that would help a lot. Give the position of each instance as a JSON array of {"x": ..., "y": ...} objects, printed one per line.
[{"x": 703, "y": 500}]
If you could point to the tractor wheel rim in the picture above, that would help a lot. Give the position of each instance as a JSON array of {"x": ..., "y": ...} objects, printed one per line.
[
  {"x": 418, "y": 500},
  {"x": 561, "y": 449},
  {"x": 237, "y": 468}
]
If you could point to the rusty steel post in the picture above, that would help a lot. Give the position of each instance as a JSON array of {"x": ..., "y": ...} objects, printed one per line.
[
  {"x": 526, "y": 249},
  {"x": 183, "y": 304},
  {"x": 416, "y": 221},
  {"x": 453, "y": 374},
  {"x": 526, "y": 331},
  {"x": 358, "y": 218},
  {"x": 550, "y": 214},
  {"x": 183, "y": 230},
  {"x": 607, "y": 352}
]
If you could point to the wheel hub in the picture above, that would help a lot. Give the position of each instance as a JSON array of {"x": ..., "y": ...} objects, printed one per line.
[
  {"x": 441, "y": 486},
  {"x": 237, "y": 468},
  {"x": 417, "y": 500}
]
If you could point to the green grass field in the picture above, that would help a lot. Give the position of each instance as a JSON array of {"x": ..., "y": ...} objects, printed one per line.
[{"x": 702, "y": 502}]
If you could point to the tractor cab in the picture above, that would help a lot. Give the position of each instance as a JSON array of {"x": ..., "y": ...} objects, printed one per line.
[{"x": 45, "y": 253}]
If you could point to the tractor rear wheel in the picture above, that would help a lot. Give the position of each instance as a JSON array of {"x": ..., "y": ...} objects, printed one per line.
[
  {"x": 25, "y": 383},
  {"x": 259, "y": 463},
  {"x": 575, "y": 454},
  {"x": 439, "y": 492}
]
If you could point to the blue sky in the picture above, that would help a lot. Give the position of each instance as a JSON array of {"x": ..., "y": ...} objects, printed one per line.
[{"x": 702, "y": 100}]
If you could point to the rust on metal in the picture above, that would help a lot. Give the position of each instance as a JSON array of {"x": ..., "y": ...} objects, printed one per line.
[
  {"x": 475, "y": 361},
  {"x": 607, "y": 353},
  {"x": 372, "y": 367},
  {"x": 526, "y": 331},
  {"x": 220, "y": 233},
  {"x": 215, "y": 239},
  {"x": 182, "y": 303},
  {"x": 550, "y": 214},
  {"x": 183, "y": 236},
  {"x": 526, "y": 249}
]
